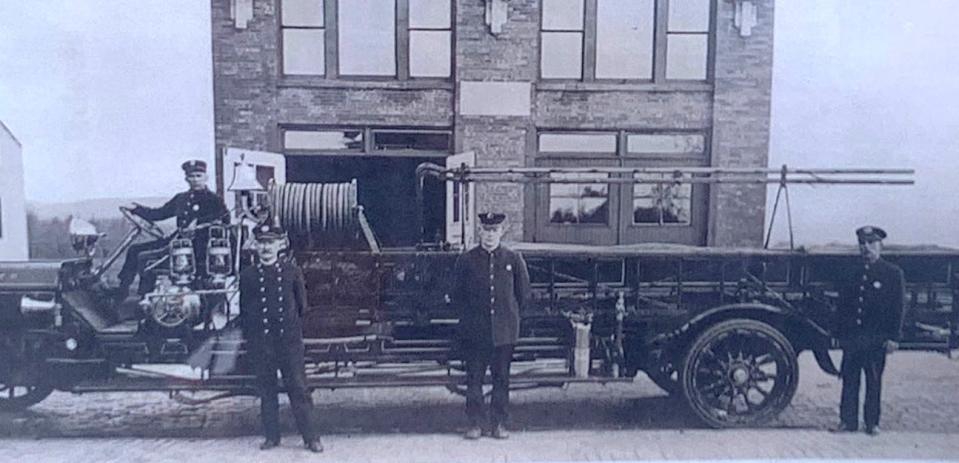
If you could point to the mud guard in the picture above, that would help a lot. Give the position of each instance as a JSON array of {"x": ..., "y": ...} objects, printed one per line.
[{"x": 825, "y": 361}]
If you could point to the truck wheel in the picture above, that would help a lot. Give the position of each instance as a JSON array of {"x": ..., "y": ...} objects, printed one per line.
[
  {"x": 14, "y": 397},
  {"x": 739, "y": 373}
]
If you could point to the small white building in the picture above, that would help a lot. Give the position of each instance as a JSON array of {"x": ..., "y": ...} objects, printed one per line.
[{"x": 13, "y": 211}]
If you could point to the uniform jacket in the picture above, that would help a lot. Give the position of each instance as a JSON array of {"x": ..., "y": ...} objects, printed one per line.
[
  {"x": 272, "y": 304},
  {"x": 204, "y": 206},
  {"x": 871, "y": 306},
  {"x": 490, "y": 289}
]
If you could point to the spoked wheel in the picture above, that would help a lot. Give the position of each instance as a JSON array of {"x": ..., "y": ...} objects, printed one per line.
[
  {"x": 15, "y": 397},
  {"x": 739, "y": 373}
]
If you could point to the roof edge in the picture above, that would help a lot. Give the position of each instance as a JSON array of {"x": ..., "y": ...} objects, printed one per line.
[{"x": 14, "y": 137}]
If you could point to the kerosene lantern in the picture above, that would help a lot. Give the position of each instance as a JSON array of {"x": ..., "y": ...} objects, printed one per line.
[
  {"x": 219, "y": 261},
  {"x": 182, "y": 261}
]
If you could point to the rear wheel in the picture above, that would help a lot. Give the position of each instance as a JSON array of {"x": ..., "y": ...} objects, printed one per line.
[
  {"x": 15, "y": 397},
  {"x": 739, "y": 373}
]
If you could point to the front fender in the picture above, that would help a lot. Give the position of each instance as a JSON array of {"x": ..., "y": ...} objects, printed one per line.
[{"x": 801, "y": 330}]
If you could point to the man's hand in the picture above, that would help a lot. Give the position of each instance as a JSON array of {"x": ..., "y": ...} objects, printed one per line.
[{"x": 891, "y": 346}]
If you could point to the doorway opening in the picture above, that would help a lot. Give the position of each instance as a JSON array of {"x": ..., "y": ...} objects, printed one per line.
[{"x": 386, "y": 188}]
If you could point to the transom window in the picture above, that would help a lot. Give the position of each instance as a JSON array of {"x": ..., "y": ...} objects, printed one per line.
[
  {"x": 399, "y": 39},
  {"x": 645, "y": 40},
  {"x": 367, "y": 141}
]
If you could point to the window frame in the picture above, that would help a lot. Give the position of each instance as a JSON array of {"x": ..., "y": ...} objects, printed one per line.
[
  {"x": 368, "y": 148},
  {"x": 625, "y": 193},
  {"x": 661, "y": 35},
  {"x": 401, "y": 49}
]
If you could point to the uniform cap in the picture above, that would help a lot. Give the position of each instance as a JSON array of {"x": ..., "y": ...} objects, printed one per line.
[
  {"x": 492, "y": 218},
  {"x": 193, "y": 165},
  {"x": 870, "y": 233},
  {"x": 268, "y": 232}
]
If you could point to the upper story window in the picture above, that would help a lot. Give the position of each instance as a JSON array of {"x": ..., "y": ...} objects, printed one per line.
[
  {"x": 399, "y": 39},
  {"x": 304, "y": 36},
  {"x": 643, "y": 40}
]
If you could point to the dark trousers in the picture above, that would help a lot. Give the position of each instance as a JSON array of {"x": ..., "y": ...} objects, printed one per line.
[
  {"x": 854, "y": 362},
  {"x": 290, "y": 365},
  {"x": 132, "y": 263},
  {"x": 497, "y": 359}
]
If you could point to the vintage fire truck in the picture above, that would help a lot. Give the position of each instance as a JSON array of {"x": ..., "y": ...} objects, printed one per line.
[{"x": 720, "y": 328}]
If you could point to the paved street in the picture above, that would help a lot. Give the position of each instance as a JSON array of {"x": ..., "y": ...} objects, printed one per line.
[{"x": 583, "y": 422}]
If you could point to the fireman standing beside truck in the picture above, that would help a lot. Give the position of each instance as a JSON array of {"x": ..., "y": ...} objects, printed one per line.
[
  {"x": 869, "y": 327},
  {"x": 272, "y": 304},
  {"x": 491, "y": 288}
]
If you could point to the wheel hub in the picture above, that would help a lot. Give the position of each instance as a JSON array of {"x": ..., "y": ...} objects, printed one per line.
[{"x": 739, "y": 375}]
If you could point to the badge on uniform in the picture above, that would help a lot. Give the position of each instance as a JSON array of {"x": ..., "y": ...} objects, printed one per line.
[
  {"x": 509, "y": 268},
  {"x": 876, "y": 284}
]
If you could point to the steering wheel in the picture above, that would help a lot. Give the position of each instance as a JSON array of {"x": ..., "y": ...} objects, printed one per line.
[{"x": 142, "y": 224}]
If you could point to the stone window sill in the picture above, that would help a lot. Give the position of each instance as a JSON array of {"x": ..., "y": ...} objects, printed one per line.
[
  {"x": 628, "y": 86},
  {"x": 391, "y": 84}
]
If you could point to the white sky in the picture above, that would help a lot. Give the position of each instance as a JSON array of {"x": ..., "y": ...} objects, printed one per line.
[{"x": 109, "y": 96}]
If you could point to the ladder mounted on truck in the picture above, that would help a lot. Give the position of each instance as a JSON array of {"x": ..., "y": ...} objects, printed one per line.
[{"x": 782, "y": 177}]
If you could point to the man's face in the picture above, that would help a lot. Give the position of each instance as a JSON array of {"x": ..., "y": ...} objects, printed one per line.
[
  {"x": 871, "y": 250},
  {"x": 269, "y": 249},
  {"x": 196, "y": 180},
  {"x": 490, "y": 236}
]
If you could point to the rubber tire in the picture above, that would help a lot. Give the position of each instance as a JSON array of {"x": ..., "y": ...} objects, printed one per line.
[
  {"x": 708, "y": 336},
  {"x": 33, "y": 397}
]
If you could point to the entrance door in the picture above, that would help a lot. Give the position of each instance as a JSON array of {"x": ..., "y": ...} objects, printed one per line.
[
  {"x": 460, "y": 203},
  {"x": 268, "y": 166}
]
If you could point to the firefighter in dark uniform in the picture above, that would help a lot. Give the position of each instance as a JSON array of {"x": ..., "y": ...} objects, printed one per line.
[
  {"x": 491, "y": 287},
  {"x": 198, "y": 204},
  {"x": 272, "y": 304},
  {"x": 869, "y": 325}
]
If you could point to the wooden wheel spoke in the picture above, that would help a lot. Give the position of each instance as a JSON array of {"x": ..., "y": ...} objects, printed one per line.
[{"x": 714, "y": 380}]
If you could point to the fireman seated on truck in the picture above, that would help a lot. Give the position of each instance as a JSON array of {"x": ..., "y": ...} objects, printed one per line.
[{"x": 198, "y": 204}]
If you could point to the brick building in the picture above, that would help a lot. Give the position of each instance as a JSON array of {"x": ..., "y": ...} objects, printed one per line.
[{"x": 368, "y": 89}]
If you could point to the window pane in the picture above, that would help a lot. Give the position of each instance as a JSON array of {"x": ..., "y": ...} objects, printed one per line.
[
  {"x": 577, "y": 143},
  {"x": 624, "y": 39},
  {"x": 303, "y": 51},
  {"x": 665, "y": 144},
  {"x": 302, "y": 13},
  {"x": 563, "y": 15},
  {"x": 562, "y": 55},
  {"x": 430, "y": 53},
  {"x": 567, "y": 210},
  {"x": 367, "y": 37},
  {"x": 661, "y": 203},
  {"x": 433, "y": 14},
  {"x": 689, "y": 15},
  {"x": 686, "y": 57},
  {"x": 323, "y": 140},
  {"x": 577, "y": 202},
  {"x": 424, "y": 141}
]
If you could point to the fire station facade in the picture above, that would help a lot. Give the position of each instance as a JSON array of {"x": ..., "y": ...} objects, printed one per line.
[{"x": 368, "y": 89}]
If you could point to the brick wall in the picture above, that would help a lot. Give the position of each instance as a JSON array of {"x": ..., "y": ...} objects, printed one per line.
[
  {"x": 244, "y": 77},
  {"x": 252, "y": 102},
  {"x": 743, "y": 83}
]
